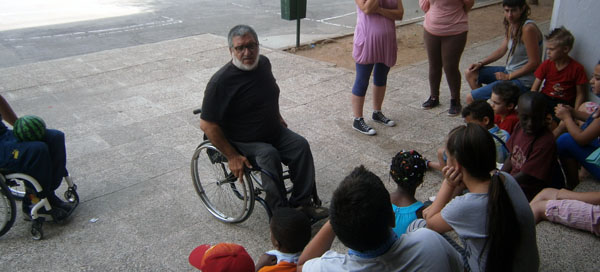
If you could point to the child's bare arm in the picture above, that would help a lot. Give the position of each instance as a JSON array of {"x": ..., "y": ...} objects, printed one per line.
[
  {"x": 580, "y": 97},
  {"x": 317, "y": 246},
  {"x": 265, "y": 260},
  {"x": 432, "y": 214},
  {"x": 536, "y": 85},
  {"x": 7, "y": 112}
]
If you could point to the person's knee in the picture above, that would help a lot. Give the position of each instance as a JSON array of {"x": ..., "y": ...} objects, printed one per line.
[
  {"x": 469, "y": 99},
  {"x": 470, "y": 75},
  {"x": 538, "y": 209},
  {"x": 268, "y": 156},
  {"x": 545, "y": 194},
  {"x": 565, "y": 143}
]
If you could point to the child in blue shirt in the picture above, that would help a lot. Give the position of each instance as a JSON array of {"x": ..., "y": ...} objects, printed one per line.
[{"x": 407, "y": 170}]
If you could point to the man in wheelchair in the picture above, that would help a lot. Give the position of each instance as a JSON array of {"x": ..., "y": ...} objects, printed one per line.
[
  {"x": 240, "y": 116},
  {"x": 43, "y": 160}
]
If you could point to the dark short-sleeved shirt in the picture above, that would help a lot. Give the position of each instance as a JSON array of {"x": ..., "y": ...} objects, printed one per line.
[
  {"x": 534, "y": 156},
  {"x": 245, "y": 104}
]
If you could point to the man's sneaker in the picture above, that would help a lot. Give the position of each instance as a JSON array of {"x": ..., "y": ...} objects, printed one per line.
[
  {"x": 380, "y": 118},
  {"x": 455, "y": 107},
  {"x": 314, "y": 213},
  {"x": 362, "y": 127},
  {"x": 431, "y": 103}
]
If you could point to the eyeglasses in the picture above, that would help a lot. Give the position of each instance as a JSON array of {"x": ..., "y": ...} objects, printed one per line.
[{"x": 250, "y": 46}]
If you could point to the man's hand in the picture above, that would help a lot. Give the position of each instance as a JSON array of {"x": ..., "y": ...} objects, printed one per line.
[{"x": 237, "y": 164}]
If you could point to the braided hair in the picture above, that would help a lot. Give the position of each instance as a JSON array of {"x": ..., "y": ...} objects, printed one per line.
[{"x": 408, "y": 169}]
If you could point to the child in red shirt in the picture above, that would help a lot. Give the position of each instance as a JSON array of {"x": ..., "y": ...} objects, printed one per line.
[
  {"x": 564, "y": 77},
  {"x": 505, "y": 96}
]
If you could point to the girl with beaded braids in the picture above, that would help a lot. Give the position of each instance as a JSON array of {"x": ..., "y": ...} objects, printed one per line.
[{"x": 407, "y": 170}]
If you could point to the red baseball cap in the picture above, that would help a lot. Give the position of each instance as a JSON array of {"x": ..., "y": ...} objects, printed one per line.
[{"x": 221, "y": 257}]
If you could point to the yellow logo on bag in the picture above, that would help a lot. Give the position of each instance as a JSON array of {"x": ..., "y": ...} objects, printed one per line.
[{"x": 15, "y": 154}]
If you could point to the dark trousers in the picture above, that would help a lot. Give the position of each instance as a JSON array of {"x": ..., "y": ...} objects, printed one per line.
[
  {"x": 43, "y": 160},
  {"x": 292, "y": 150},
  {"x": 444, "y": 52}
]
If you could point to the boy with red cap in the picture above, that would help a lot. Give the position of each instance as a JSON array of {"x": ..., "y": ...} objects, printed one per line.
[{"x": 221, "y": 257}]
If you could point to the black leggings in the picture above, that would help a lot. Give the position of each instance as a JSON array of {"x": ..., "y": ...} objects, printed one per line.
[{"x": 444, "y": 51}]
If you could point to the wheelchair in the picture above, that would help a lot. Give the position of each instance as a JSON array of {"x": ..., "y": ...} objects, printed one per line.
[
  {"x": 16, "y": 186},
  {"x": 226, "y": 198}
]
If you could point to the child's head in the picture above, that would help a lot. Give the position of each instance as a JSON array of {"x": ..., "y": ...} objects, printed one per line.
[
  {"x": 558, "y": 43},
  {"x": 473, "y": 148},
  {"x": 407, "y": 170},
  {"x": 361, "y": 212},
  {"x": 595, "y": 80},
  {"x": 532, "y": 112},
  {"x": 222, "y": 257},
  {"x": 290, "y": 230},
  {"x": 479, "y": 112},
  {"x": 505, "y": 96}
]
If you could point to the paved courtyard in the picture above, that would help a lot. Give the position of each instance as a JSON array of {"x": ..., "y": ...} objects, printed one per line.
[{"x": 127, "y": 114}]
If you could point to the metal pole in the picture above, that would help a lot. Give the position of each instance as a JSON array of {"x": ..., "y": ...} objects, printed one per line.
[
  {"x": 297, "y": 32},
  {"x": 297, "y": 23}
]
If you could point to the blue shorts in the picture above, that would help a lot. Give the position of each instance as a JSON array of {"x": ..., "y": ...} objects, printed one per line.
[{"x": 487, "y": 76}]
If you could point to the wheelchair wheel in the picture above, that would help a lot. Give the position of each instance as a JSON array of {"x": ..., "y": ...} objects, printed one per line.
[
  {"x": 221, "y": 193},
  {"x": 16, "y": 186},
  {"x": 8, "y": 209}
]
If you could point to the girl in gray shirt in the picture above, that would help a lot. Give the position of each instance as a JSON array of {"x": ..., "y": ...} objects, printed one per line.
[{"x": 493, "y": 220}]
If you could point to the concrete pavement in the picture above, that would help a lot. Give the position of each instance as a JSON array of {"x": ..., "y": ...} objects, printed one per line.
[{"x": 127, "y": 114}]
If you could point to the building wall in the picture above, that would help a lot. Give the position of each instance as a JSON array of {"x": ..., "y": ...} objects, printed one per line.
[{"x": 582, "y": 18}]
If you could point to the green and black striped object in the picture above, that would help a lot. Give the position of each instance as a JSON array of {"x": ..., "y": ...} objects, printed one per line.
[{"x": 29, "y": 128}]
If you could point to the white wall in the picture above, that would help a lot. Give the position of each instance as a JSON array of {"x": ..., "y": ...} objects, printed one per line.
[{"x": 582, "y": 18}]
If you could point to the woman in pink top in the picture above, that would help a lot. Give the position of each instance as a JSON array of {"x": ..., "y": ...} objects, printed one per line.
[
  {"x": 374, "y": 51},
  {"x": 445, "y": 37}
]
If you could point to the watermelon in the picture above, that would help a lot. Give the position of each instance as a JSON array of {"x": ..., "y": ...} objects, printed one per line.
[{"x": 29, "y": 128}]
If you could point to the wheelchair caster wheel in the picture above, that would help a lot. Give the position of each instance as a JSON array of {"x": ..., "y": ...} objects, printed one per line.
[
  {"x": 71, "y": 195},
  {"x": 36, "y": 231}
]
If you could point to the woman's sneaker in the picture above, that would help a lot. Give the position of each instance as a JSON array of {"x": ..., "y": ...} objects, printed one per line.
[
  {"x": 430, "y": 103},
  {"x": 380, "y": 118},
  {"x": 362, "y": 127}
]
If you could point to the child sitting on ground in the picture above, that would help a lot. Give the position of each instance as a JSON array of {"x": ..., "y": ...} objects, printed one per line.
[
  {"x": 481, "y": 113},
  {"x": 407, "y": 171},
  {"x": 572, "y": 209},
  {"x": 222, "y": 257},
  {"x": 493, "y": 220},
  {"x": 505, "y": 96},
  {"x": 361, "y": 216},
  {"x": 564, "y": 78},
  {"x": 577, "y": 143},
  {"x": 290, "y": 232},
  {"x": 531, "y": 146}
]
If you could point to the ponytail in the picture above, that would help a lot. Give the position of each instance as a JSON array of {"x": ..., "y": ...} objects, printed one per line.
[{"x": 502, "y": 228}]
